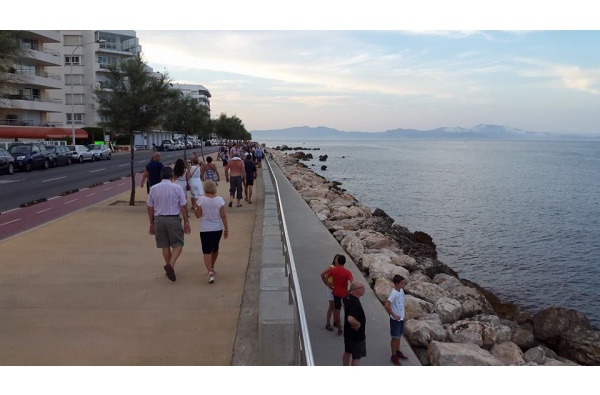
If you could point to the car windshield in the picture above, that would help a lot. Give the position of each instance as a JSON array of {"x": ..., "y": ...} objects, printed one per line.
[{"x": 18, "y": 149}]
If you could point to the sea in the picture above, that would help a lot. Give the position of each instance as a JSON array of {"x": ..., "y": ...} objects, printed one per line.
[{"x": 519, "y": 218}]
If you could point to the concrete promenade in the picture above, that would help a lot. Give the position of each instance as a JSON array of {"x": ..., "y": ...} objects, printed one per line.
[{"x": 90, "y": 289}]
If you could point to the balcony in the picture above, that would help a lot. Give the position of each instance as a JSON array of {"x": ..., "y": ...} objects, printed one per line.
[
  {"x": 38, "y": 80},
  {"x": 44, "y": 57},
  {"x": 33, "y": 103}
]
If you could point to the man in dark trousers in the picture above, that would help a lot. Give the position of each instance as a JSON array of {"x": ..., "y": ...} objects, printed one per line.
[
  {"x": 152, "y": 172},
  {"x": 355, "y": 345}
]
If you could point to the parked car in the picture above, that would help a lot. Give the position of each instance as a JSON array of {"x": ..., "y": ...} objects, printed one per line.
[
  {"x": 100, "y": 151},
  {"x": 177, "y": 144},
  {"x": 166, "y": 145},
  {"x": 7, "y": 162},
  {"x": 29, "y": 156},
  {"x": 60, "y": 155},
  {"x": 81, "y": 153}
]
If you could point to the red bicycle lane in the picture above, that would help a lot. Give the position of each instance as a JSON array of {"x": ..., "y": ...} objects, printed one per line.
[{"x": 22, "y": 219}]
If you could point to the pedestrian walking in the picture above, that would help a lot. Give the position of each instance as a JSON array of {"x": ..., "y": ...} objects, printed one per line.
[
  {"x": 235, "y": 174},
  {"x": 210, "y": 209},
  {"x": 166, "y": 207},
  {"x": 152, "y": 172},
  {"x": 250, "y": 168}
]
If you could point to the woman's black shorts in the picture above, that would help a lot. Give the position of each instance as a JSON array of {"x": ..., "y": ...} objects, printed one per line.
[{"x": 210, "y": 241}]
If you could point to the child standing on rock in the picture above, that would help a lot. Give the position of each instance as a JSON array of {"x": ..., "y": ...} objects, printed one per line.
[{"x": 394, "y": 305}]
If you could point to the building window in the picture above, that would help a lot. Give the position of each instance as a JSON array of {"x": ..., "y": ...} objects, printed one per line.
[
  {"x": 105, "y": 61},
  {"x": 29, "y": 43},
  {"x": 71, "y": 40},
  {"x": 75, "y": 79},
  {"x": 73, "y": 99},
  {"x": 72, "y": 59},
  {"x": 78, "y": 118}
]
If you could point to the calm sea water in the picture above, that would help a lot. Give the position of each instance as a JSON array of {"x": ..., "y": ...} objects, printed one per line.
[{"x": 521, "y": 219}]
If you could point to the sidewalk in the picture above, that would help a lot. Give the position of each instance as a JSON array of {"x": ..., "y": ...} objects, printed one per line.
[{"x": 90, "y": 289}]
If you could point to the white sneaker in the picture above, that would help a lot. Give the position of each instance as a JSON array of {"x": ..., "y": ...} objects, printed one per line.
[{"x": 211, "y": 277}]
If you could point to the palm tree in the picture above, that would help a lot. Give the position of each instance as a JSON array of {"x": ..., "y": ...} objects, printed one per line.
[{"x": 132, "y": 99}]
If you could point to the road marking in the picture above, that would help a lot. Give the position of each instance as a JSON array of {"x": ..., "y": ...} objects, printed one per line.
[
  {"x": 71, "y": 201},
  {"x": 93, "y": 171},
  {"x": 106, "y": 189},
  {"x": 126, "y": 164},
  {"x": 90, "y": 194},
  {"x": 55, "y": 197},
  {"x": 10, "y": 181},
  {"x": 54, "y": 179},
  {"x": 43, "y": 211},
  {"x": 10, "y": 222}
]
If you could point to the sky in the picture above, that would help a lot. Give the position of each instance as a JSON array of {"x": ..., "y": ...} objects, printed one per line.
[
  {"x": 371, "y": 66},
  {"x": 368, "y": 80}
]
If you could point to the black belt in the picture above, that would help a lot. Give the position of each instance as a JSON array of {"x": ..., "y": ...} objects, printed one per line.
[{"x": 176, "y": 215}]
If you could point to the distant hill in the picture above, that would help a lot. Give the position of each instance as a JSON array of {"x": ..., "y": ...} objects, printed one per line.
[{"x": 479, "y": 132}]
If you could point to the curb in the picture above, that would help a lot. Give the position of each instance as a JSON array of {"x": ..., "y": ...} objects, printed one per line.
[{"x": 31, "y": 203}]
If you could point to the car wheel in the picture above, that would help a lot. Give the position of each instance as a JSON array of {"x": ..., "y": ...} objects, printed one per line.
[
  {"x": 10, "y": 169},
  {"x": 46, "y": 164},
  {"x": 28, "y": 166},
  {"x": 81, "y": 159}
]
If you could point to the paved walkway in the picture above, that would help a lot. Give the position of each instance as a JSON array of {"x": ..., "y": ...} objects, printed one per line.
[{"x": 89, "y": 289}]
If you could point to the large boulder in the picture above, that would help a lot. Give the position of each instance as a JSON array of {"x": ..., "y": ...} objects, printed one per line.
[
  {"x": 416, "y": 307},
  {"x": 426, "y": 291},
  {"x": 523, "y": 338},
  {"x": 446, "y": 281},
  {"x": 379, "y": 268},
  {"x": 383, "y": 288},
  {"x": 421, "y": 333},
  {"x": 535, "y": 355},
  {"x": 581, "y": 346},
  {"x": 448, "y": 309},
  {"x": 452, "y": 354},
  {"x": 465, "y": 332},
  {"x": 354, "y": 248},
  {"x": 551, "y": 323},
  {"x": 471, "y": 301},
  {"x": 509, "y": 353}
]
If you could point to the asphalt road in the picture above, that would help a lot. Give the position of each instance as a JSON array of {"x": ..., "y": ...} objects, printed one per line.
[{"x": 23, "y": 188}]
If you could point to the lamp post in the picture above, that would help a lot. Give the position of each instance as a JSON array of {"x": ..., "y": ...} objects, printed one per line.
[{"x": 72, "y": 97}]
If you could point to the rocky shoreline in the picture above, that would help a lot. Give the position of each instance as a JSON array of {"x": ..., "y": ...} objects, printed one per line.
[{"x": 449, "y": 321}]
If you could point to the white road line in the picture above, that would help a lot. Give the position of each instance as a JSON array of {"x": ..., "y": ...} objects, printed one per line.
[
  {"x": 55, "y": 197},
  {"x": 10, "y": 222},
  {"x": 126, "y": 164},
  {"x": 11, "y": 181},
  {"x": 54, "y": 179},
  {"x": 106, "y": 189},
  {"x": 43, "y": 211},
  {"x": 71, "y": 201},
  {"x": 90, "y": 194},
  {"x": 94, "y": 171}
]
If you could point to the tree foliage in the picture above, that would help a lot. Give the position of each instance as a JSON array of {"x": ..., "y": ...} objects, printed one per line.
[
  {"x": 9, "y": 50},
  {"x": 132, "y": 99},
  {"x": 230, "y": 128}
]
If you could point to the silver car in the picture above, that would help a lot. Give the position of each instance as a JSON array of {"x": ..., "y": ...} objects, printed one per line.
[
  {"x": 81, "y": 153},
  {"x": 100, "y": 151}
]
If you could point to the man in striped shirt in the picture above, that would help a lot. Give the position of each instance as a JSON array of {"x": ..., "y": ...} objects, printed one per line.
[{"x": 166, "y": 202}]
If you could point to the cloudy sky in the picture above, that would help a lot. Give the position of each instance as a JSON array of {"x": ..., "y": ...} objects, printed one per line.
[
  {"x": 546, "y": 81},
  {"x": 437, "y": 63}
]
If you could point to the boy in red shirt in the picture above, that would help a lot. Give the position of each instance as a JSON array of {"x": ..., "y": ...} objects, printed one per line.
[{"x": 342, "y": 278}]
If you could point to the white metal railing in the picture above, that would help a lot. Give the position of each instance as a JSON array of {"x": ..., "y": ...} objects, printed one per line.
[{"x": 306, "y": 353}]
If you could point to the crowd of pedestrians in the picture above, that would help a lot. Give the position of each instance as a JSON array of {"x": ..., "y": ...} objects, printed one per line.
[{"x": 168, "y": 189}]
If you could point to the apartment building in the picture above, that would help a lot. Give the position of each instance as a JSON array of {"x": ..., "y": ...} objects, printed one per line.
[
  {"x": 198, "y": 92},
  {"x": 85, "y": 57},
  {"x": 28, "y": 98}
]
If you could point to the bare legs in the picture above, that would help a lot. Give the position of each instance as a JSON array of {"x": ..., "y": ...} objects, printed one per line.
[
  {"x": 395, "y": 346},
  {"x": 170, "y": 256},
  {"x": 329, "y": 313},
  {"x": 209, "y": 262},
  {"x": 346, "y": 360}
]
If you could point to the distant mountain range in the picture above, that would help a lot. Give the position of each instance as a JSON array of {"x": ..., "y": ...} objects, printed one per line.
[{"x": 479, "y": 132}]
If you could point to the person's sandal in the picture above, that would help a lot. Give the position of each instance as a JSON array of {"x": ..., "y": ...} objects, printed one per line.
[{"x": 329, "y": 328}]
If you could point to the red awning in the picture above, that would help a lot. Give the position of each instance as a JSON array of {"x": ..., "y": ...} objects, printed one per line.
[{"x": 39, "y": 132}]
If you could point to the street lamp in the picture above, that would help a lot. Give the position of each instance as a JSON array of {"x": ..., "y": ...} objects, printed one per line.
[{"x": 72, "y": 97}]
